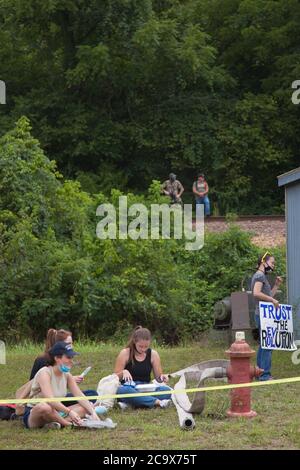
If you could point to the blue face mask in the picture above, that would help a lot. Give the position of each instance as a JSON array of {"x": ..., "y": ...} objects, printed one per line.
[{"x": 63, "y": 368}]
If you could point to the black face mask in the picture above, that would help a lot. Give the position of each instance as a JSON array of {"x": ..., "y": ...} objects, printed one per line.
[{"x": 268, "y": 269}]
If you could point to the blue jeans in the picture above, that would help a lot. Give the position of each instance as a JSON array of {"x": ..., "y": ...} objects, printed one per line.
[
  {"x": 204, "y": 200},
  {"x": 140, "y": 402},
  {"x": 26, "y": 416},
  {"x": 264, "y": 356}
]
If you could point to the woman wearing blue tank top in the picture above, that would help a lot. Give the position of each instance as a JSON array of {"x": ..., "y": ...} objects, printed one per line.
[{"x": 134, "y": 365}]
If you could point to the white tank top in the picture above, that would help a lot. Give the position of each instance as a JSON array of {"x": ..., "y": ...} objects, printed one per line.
[
  {"x": 58, "y": 384},
  {"x": 200, "y": 187}
]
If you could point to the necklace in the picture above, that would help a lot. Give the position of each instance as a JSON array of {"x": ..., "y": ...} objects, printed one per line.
[{"x": 140, "y": 357}]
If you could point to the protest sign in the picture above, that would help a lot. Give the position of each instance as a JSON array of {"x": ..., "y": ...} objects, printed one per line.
[{"x": 276, "y": 327}]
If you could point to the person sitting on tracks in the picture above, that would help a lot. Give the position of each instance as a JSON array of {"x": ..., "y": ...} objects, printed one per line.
[
  {"x": 261, "y": 290},
  {"x": 173, "y": 188},
  {"x": 133, "y": 367},
  {"x": 200, "y": 189}
]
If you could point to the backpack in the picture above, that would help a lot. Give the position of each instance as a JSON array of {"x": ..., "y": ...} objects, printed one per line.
[
  {"x": 6, "y": 411},
  {"x": 108, "y": 386}
]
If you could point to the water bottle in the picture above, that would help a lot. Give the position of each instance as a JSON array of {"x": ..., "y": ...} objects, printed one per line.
[{"x": 100, "y": 410}]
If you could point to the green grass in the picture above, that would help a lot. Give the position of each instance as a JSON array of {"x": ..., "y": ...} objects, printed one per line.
[{"x": 275, "y": 427}]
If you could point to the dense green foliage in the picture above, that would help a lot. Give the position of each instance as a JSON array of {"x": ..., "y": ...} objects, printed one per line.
[
  {"x": 119, "y": 92},
  {"x": 54, "y": 271}
]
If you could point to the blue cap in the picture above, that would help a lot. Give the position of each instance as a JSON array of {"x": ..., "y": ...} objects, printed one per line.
[{"x": 61, "y": 348}]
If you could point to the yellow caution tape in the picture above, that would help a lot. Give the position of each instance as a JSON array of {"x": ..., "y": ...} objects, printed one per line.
[{"x": 146, "y": 394}]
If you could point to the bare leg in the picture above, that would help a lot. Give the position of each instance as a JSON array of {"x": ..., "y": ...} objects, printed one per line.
[
  {"x": 42, "y": 414},
  {"x": 79, "y": 410}
]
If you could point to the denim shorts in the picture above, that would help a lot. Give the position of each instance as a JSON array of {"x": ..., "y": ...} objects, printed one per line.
[{"x": 26, "y": 416}]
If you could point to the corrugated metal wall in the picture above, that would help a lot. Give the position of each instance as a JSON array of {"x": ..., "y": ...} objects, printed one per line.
[{"x": 293, "y": 250}]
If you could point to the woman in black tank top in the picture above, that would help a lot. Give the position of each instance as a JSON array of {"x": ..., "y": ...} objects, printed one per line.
[
  {"x": 134, "y": 365},
  {"x": 140, "y": 370}
]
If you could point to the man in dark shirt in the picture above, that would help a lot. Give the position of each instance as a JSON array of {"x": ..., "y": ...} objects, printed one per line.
[{"x": 173, "y": 188}]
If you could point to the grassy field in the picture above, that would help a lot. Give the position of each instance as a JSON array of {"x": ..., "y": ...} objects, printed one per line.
[{"x": 275, "y": 427}]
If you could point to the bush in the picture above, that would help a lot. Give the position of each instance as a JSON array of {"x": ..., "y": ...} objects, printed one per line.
[{"x": 55, "y": 272}]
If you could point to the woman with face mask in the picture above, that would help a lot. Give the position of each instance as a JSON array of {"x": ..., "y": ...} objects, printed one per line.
[
  {"x": 52, "y": 337},
  {"x": 262, "y": 291},
  {"x": 134, "y": 365},
  {"x": 53, "y": 381}
]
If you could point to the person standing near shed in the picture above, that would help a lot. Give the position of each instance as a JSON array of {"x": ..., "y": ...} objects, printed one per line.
[{"x": 262, "y": 291}]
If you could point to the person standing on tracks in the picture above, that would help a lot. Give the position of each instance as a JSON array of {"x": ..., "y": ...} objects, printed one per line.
[
  {"x": 173, "y": 188},
  {"x": 262, "y": 290},
  {"x": 200, "y": 189}
]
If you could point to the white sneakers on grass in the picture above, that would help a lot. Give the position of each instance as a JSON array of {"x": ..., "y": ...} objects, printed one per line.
[
  {"x": 162, "y": 404},
  {"x": 165, "y": 403},
  {"x": 53, "y": 425},
  {"x": 123, "y": 405}
]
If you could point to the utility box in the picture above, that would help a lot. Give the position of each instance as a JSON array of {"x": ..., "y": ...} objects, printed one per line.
[
  {"x": 240, "y": 313},
  {"x": 291, "y": 182},
  {"x": 236, "y": 312}
]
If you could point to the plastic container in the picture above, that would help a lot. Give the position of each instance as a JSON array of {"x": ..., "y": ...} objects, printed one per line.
[{"x": 146, "y": 387}]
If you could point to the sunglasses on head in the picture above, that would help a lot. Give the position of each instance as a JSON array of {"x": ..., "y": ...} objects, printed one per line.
[{"x": 267, "y": 253}]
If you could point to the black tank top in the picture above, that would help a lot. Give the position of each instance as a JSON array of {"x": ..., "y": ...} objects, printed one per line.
[{"x": 141, "y": 370}]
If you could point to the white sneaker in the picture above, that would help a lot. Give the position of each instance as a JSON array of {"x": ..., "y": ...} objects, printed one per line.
[
  {"x": 165, "y": 403},
  {"x": 123, "y": 405},
  {"x": 53, "y": 425}
]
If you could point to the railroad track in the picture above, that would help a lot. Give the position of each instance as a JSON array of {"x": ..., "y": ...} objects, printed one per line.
[
  {"x": 245, "y": 218},
  {"x": 267, "y": 230}
]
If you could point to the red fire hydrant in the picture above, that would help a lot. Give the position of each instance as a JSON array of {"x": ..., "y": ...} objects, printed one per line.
[{"x": 240, "y": 371}]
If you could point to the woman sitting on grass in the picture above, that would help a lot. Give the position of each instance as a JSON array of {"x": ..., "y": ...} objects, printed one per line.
[
  {"x": 52, "y": 337},
  {"x": 134, "y": 364},
  {"x": 53, "y": 381}
]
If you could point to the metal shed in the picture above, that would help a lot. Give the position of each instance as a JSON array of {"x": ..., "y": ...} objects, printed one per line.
[
  {"x": 291, "y": 182},
  {"x": 2, "y": 92}
]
